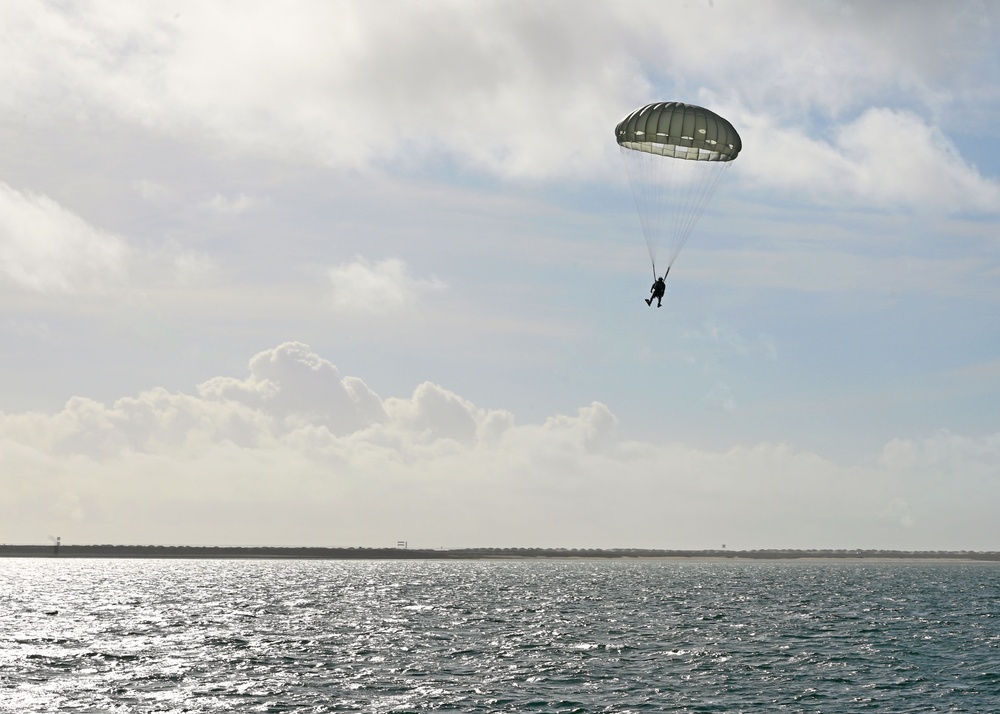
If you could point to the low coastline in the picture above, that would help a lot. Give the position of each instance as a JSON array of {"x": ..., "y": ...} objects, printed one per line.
[{"x": 357, "y": 553}]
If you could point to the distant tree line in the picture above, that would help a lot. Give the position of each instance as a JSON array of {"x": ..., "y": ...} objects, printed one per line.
[{"x": 357, "y": 553}]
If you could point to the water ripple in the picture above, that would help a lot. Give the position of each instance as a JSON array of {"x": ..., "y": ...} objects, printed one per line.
[{"x": 497, "y": 636}]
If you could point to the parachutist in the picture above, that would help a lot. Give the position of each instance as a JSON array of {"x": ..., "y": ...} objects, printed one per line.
[{"x": 659, "y": 287}]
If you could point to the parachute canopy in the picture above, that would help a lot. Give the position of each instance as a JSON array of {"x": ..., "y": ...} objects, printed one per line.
[
  {"x": 674, "y": 154},
  {"x": 680, "y": 131}
]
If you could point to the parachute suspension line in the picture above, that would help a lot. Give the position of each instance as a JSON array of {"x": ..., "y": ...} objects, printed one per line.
[
  {"x": 645, "y": 179},
  {"x": 690, "y": 186},
  {"x": 670, "y": 196}
]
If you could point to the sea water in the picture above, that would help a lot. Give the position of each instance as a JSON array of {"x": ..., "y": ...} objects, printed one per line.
[{"x": 498, "y": 636}]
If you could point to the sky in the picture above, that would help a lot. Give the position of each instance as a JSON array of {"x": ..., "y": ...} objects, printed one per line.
[{"x": 350, "y": 273}]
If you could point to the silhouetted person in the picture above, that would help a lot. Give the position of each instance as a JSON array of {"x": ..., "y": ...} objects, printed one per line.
[{"x": 659, "y": 287}]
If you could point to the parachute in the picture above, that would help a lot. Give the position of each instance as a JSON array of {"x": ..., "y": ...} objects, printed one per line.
[{"x": 674, "y": 154}]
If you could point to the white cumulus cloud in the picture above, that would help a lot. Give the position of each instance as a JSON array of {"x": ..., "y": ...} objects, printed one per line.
[{"x": 297, "y": 453}]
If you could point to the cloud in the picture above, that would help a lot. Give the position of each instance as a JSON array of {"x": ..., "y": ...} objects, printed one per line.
[
  {"x": 297, "y": 453},
  {"x": 293, "y": 385},
  {"x": 434, "y": 413},
  {"x": 944, "y": 456},
  {"x": 192, "y": 267},
  {"x": 899, "y": 160},
  {"x": 154, "y": 192},
  {"x": 384, "y": 286},
  {"x": 508, "y": 89},
  {"x": 334, "y": 84},
  {"x": 45, "y": 248},
  {"x": 231, "y": 206},
  {"x": 722, "y": 395},
  {"x": 885, "y": 158},
  {"x": 730, "y": 340}
]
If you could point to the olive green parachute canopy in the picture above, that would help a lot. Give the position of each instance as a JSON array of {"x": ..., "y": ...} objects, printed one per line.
[{"x": 680, "y": 131}]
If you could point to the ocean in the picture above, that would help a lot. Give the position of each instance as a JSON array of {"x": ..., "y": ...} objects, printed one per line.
[{"x": 117, "y": 635}]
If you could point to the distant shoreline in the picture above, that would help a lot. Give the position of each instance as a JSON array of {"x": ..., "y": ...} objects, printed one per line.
[{"x": 320, "y": 553}]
